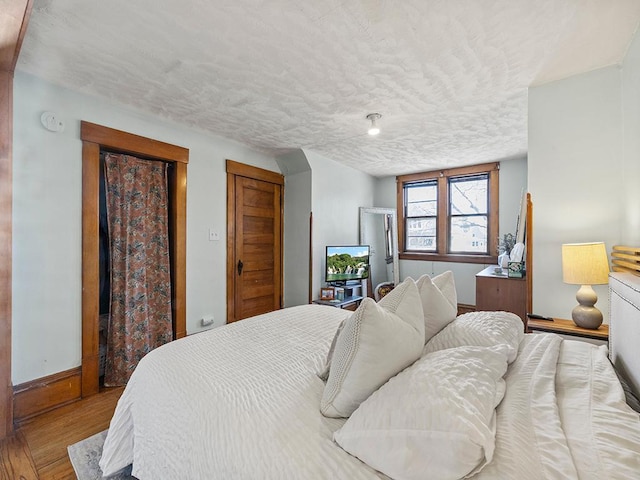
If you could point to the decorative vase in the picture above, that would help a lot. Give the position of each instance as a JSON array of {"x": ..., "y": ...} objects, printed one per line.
[{"x": 503, "y": 260}]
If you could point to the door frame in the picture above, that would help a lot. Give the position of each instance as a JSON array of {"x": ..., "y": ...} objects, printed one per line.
[
  {"x": 236, "y": 169},
  {"x": 14, "y": 19},
  {"x": 94, "y": 137}
]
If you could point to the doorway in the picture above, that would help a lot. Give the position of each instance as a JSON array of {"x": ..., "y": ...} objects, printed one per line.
[
  {"x": 254, "y": 241},
  {"x": 94, "y": 138}
]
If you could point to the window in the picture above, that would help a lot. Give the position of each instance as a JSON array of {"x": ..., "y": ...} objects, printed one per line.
[
  {"x": 449, "y": 215},
  {"x": 468, "y": 214},
  {"x": 421, "y": 200}
]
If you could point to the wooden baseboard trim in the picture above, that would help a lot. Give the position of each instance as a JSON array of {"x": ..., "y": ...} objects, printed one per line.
[
  {"x": 46, "y": 393},
  {"x": 464, "y": 308}
]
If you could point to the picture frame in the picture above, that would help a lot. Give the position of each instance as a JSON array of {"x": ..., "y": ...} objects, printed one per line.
[
  {"x": 327, "y": 293},
  {"x": 515, "y": 270}
]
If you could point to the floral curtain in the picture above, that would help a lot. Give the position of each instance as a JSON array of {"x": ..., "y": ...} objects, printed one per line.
[{"x": 140, "y": 306}]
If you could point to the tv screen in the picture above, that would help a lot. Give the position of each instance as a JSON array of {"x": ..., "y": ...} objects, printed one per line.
[{"x": 347, "y": 262}]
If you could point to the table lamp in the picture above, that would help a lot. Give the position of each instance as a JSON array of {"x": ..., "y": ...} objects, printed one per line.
[{"x": 585, "y": 264}]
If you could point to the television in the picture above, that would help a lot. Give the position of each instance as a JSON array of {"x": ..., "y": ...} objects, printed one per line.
[{"x": 345, "y": 263}]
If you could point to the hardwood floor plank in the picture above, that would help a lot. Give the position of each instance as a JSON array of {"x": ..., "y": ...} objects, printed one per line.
[
  {"x": 48, "y": 435},
  {"x": 17, "y": 463},
  {"x": 59, "y": 470}
]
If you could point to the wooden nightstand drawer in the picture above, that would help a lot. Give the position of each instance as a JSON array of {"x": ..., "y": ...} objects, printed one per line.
[{"x": 499, "y": 292}]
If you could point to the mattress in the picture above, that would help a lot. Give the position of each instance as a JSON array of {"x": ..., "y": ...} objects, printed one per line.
[{"x": 242, "y": 402}]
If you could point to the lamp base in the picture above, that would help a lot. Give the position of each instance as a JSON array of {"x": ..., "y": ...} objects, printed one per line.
[{"x": 586, "y": 315}]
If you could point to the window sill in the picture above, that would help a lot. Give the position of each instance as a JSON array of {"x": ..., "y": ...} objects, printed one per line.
[{"x": 451, "y": 257}]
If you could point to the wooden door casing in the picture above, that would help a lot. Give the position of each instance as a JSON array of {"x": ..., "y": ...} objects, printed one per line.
[
  {"x": 94, "y": 137},
  {"x": 254, "y": 235},
  {"x": 14, "y": 18}
]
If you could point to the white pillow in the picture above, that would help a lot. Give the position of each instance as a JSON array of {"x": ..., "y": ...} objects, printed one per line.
[
  {"x": 483, "y": 329},
  {"x": 324, "y": 374},
  {"x": 447, "y": 286},
  {"x": 435, "y": 419},
  {"x": 375, "y": 343},
  {"x": 439, "y": 302}
]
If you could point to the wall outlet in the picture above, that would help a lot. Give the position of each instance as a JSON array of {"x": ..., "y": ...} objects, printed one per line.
[
  {"x": 213, "y": 235},
  {"x": 207, "y": 321}
]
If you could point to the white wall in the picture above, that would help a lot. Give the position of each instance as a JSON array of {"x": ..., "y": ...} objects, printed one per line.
[
  {"x": 513, "y": 181},
  {"x": 630, "y": 177},
  {"x": 513, "y": 186},
  {"x": 47, "y": 209},
  {"x": 297, "y": 209},
  {"x": 575, "y": 178},
  {"x": 385, "y": 193},
  {"x": 338, "y": 193},
  {"x": 334, "y": 194}
]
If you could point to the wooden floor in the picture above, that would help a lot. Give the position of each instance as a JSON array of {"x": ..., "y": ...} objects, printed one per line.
[{"x": 38, "y": 450}]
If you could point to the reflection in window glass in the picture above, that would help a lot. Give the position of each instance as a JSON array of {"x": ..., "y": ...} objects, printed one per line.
[
  {"x": 468, "y": 234},
  {"x": 468, "y": 218},
  {"x": 421, "y": 234},
  {"x": 469, "y": 195},
  {"x": 422, "y": 199},
  {"x": 421, "y": 216}
]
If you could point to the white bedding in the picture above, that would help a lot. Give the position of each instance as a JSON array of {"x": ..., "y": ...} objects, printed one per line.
[
  {"x": 564, "y": 416},
  {"x": 238, "y": 402},
  {"x": 242, "y": 402},
  {"x": 438, "y": 424}
]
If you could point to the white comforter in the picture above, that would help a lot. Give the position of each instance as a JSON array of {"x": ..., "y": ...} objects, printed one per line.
[
  {"x": 564, "y": 416},
  {"x": 242, "y": 402},
  {"x": 239, "y": 402}
]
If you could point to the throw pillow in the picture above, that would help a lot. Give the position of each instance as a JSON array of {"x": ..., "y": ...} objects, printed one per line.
[
  {"x": 483, "y": 329},
  {"x": 375, "y": 343},
  {"x": 435, "y": 419},
  {"x": 439, "y": 302}
]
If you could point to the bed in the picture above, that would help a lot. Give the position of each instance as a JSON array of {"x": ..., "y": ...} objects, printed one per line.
[{"x": 482, "y": 400}]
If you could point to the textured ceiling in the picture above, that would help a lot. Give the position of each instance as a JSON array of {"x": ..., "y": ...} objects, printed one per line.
[{"x": 449, "y": 77}]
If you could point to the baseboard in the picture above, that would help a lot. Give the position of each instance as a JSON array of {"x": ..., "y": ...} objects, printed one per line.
[
  {"x": 46, "y": 393},
  {"x": 463, "y": 308}
]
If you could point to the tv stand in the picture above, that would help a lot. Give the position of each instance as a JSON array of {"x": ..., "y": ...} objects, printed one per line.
[
  {"x": 345, "y": 283},
  {"x": 350, "y": 302},
  {"x": 351, "y": 287}
]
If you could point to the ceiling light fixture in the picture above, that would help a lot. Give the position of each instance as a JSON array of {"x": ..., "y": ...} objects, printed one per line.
[{"x": 374, "y": 129}]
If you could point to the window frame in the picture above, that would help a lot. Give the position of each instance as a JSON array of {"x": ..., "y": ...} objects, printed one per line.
[
  {"x": 433, "y": 182},
  {"x": 443, "y": 219}
]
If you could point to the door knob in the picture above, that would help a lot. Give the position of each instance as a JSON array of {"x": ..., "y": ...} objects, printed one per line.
[{"x": 240, "y": 266}]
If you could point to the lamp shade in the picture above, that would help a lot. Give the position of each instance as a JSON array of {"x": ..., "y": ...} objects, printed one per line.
[{"x": 585, "y": 264}]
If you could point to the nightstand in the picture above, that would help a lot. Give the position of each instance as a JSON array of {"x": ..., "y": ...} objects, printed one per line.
[
  {"x": 567, "y": 327},
  {"x": 500, "y": 292}
]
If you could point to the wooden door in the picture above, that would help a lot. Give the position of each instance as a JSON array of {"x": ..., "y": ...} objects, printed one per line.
[{"x": 254, "y": 252}]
